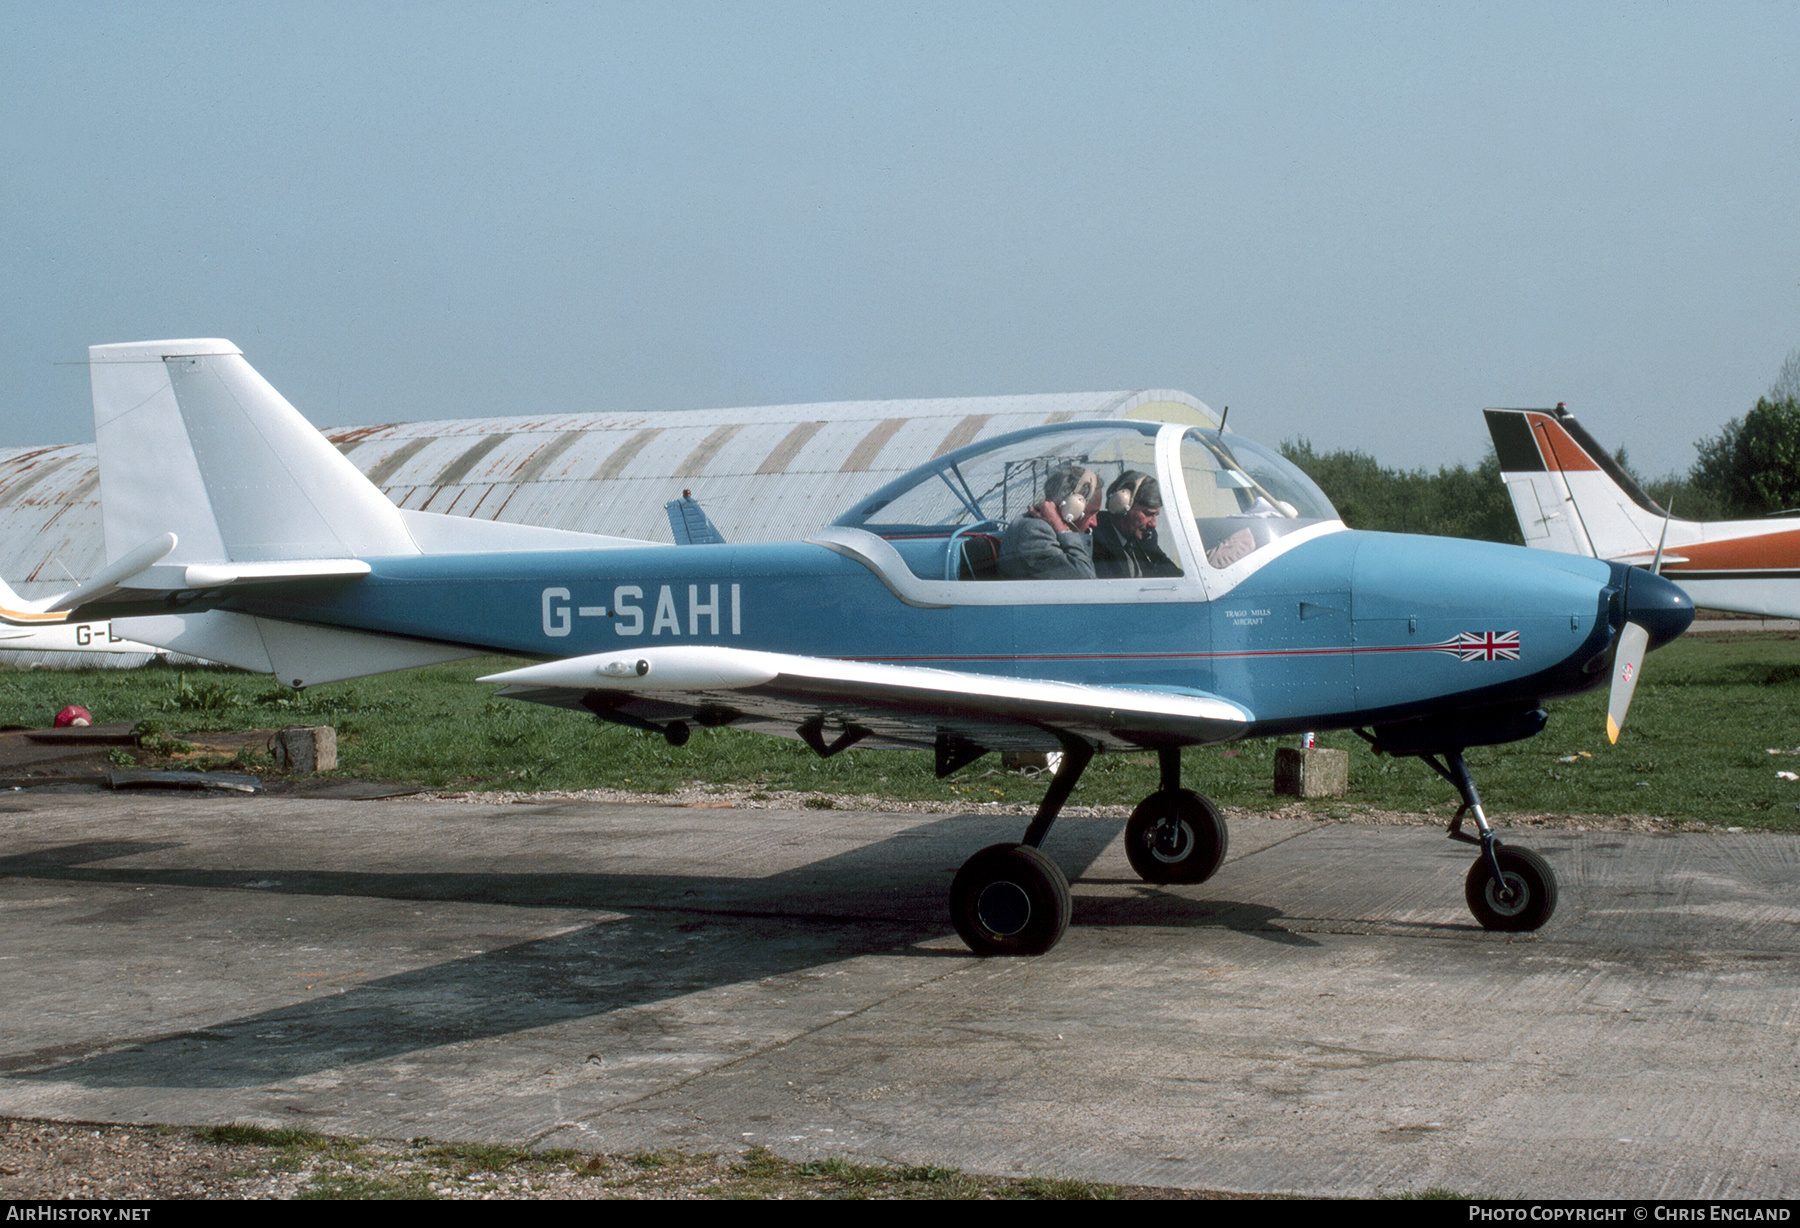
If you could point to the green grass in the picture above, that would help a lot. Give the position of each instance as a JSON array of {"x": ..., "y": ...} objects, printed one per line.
[
  {"x": 291, "y": 1147},
  {"x": 245, "y": 1134},
  {"x": 1696, "y": 746}
]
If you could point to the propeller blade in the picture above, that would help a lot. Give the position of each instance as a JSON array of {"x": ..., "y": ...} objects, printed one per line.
[{"x": 1628, "y": 662}]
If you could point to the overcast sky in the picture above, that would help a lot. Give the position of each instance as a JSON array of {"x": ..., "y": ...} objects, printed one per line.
[{"x": 1353, "y": 223}]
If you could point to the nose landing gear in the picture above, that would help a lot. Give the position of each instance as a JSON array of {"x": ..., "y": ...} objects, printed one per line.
[
  {"x": 1520, "y": 898},
  {"x": 1509, "y": 890}
]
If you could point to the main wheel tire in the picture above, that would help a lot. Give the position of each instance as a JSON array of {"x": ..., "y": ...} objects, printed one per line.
[
  {"x": 1010, "y": 899},
  {"x": 1176, "y": 836},
  {"x": 1529, "y": 878}
]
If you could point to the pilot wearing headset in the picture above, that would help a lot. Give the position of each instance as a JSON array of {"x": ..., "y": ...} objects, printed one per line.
[
  {"x": 1050, "y": 541},
  {"x": 1124, "y": 542}
]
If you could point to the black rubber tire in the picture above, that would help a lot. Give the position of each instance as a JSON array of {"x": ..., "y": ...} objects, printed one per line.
[
  {"x": 1525, "y": 873},
  {"x": 1176, "y": 836},
  {"x": 1010, "y": 899}
]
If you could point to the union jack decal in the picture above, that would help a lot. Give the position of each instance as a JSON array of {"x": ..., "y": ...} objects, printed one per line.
[{"x": 1483, "y": 646}]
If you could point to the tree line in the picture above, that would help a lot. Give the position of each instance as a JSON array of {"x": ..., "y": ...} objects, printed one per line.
[
  {"x": 1750, "y": 468},
  {"x": 1452, "y": 502}
]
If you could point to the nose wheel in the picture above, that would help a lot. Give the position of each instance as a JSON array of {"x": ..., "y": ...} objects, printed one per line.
[
  {"x": 1508, "y": 890},
  {"x": 1521, "y": 898}
]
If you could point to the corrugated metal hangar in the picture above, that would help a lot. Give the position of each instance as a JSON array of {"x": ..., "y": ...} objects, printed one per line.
[{"x": 766, "y": 474}]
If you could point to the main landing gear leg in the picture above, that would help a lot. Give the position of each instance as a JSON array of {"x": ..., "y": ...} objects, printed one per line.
[
  {"x": 1175, "y": 835},
  {"x": 1507, "y": 889},
  {"x": 1010, "y": 899}
]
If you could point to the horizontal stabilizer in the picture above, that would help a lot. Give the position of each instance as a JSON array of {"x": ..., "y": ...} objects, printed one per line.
[
  {"x": 230, "y": 575},
  {"x": 118, "y": 574},
  {"x": 132, "y": 579}
]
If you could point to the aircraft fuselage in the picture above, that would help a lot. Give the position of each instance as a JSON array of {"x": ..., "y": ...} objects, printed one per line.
[{"x": 1346, "y": 629}]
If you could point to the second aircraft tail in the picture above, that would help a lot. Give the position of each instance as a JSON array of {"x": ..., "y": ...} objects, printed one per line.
[{"x": 1567, "y": 493}]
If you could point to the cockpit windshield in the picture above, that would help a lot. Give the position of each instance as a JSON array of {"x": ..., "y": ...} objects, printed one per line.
[
  {"x": 951, "y": 519},
  {"x": 1002, "y": 483},
  {"x": 994, "y": 510},
  {"x": 1245, "y": 495}
]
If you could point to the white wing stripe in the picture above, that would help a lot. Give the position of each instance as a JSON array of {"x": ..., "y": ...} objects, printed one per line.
[{"x": 696, "y": 668}]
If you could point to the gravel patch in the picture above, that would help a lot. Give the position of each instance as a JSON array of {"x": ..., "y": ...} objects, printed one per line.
[{"x": 44, "y": 1160}]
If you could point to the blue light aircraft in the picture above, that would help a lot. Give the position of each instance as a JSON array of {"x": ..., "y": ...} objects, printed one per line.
[{"x": 236, "y": 532}]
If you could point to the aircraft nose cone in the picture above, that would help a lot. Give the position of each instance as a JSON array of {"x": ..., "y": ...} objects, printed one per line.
[{"x": 1656, "y": 605}]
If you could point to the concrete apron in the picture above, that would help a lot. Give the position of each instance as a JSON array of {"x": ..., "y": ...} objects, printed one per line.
[{"x": 1321, "y": 1017}]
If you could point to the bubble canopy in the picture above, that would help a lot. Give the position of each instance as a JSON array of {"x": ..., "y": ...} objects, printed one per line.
[{"x": 1241, "y": 495}]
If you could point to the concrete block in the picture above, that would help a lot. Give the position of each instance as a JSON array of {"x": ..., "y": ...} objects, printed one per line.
[
  {"x": 1312, "y": 773},
  {"x": 305, "y": 749},
  {"x": 1019, "y": 760}
]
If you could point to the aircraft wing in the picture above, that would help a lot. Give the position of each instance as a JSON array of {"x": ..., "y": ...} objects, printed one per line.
[{"x": 832, "y": 704}]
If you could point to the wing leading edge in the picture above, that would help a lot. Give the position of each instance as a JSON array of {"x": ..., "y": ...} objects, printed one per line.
[{"x": 832, "y": 704}]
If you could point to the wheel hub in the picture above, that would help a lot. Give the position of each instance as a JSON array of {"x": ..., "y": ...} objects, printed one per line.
[
  {"x": 1003, "y": 908},
  {"x": 1509, "y": 895},
  {"x": 1174, "y": 840}
]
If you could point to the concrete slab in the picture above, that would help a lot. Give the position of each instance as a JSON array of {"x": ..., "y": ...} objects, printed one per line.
[{"x": 1321, "y": 1017}]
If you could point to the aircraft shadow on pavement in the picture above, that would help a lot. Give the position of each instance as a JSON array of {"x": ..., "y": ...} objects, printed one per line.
[{"x": 666, "y": 936}]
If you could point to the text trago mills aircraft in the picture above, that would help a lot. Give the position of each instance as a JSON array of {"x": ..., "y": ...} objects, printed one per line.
[
  {"x": 1571, "y": 497},
  {"x": 237, "y": 532}
]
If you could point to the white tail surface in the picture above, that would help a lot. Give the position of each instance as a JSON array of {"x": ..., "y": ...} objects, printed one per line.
[
  {"x": 193, "y": 441},
  {"x": 1568, "y": 494},
  {"x": 200, "y": 452},
  {"x": 1571, "y": 496},
  {"x": 298, "y": 654}
]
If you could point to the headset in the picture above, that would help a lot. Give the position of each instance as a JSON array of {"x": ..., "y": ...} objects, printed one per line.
[
  {"x": 1074, "y": 505},
  {"x": 1124, "y": 493}
]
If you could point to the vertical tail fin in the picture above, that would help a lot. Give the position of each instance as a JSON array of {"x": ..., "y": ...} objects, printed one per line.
[
  {"x": 202, "y": 459},
  {"x": 208, "y": 477},
  {"x": 1568, "y": 494},
  {"x": 193, "y": 441}
]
